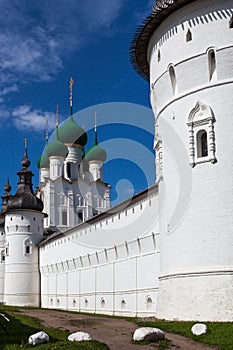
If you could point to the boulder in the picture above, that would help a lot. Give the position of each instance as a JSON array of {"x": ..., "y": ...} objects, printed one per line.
[
  {"x": 199, "y": 329},
  {"x": 148, "y": 333},
  {"x": 79, "y": 336},
  {"x": 38, "y": 338}
]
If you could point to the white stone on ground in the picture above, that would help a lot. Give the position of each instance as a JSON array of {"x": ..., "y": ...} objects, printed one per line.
[
  {"x": 199, "y": 329},
  {"x": 38, "y": 338},
  {"x": 149, "y": 334},
  {"x": 79, "y": 336}
]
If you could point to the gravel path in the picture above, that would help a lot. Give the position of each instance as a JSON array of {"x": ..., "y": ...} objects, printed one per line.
[{"x": 114, "y": 332}]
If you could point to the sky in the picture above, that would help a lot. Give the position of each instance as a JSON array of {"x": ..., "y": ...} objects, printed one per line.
[{"x": 43, "y": 44}]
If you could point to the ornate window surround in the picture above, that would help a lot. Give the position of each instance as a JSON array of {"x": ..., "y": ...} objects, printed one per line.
[
  {"x": 201, "y": 117},
  {"x": 158, "y": 148}
]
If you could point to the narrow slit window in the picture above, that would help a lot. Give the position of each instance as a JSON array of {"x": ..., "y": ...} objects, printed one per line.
[
  {"x": 159, "y": 55},
  {"x": 212, "y": 64},
  {"x": 189, "y": 36},
  {"x": 172, "y": 75}
]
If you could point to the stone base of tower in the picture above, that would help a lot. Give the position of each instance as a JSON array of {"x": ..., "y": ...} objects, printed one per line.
[{"x": 202, "y": 296}]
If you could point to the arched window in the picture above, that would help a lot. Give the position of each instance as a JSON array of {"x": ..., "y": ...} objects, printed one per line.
[
  {"x": 149, "y": 303},
  {"x": 123, "y": 303},
  {"x": 172, "y": 75},
  {"x": 212, "y": 64},
  {"x": 202, "y": 144},
  {"x": 27, "y": 247},
  {"x": 189, "y": 36}
]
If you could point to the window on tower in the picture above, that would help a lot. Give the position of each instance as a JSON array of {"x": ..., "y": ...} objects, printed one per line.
[
  {"x": 212, "y": 64},
  {"x": 189, "y": 35},
  {"x": 231, "y": 22},
  {"x": 27, "y": 247},
  {"x": 172, "y": 75}
]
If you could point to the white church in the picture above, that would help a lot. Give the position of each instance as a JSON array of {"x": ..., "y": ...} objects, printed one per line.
[{"x": 66, "y": 248}]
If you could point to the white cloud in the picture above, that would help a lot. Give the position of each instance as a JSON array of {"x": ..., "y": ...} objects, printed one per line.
[
  {"x": 35, "y": 37},
  {"x": 24, "y": 118}
]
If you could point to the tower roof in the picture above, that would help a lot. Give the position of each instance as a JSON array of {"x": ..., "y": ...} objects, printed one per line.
[
  {"x": 70, "y": 132},
  {"x": 56, "y": 148},
  {"x": 24, "y": 197},
  {"x": 139, "y": 43},
  {"x": 96, "y": 152}
]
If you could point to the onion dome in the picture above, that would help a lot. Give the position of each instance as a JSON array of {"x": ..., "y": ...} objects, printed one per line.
[
  {"x": 24, "y": 197},
  {"x": 43, "y": 161},
  {"x": 56, "y": 148},
  {"x": 71, "y": 133},
  {"x": 96, "y": 152}
]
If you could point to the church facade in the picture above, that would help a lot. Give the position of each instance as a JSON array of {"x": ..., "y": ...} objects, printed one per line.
[{"x": 177, "y": 261}]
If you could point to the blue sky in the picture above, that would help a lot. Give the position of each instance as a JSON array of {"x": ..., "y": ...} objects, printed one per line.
[{"x": 43, "y": 44}]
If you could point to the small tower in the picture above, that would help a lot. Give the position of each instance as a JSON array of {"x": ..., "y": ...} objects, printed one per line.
[
  {"x": 56, "y": 151},
  {"x": 24, "y": 231},
  {"x": 5, "y": 199},
  {"x": 96, "y": 157},
  {"x": 43, "y": 161},
  {"x": 75, "y": 138}
]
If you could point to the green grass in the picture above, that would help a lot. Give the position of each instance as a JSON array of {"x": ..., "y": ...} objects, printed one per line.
[
  {"x": 220, "y": 333},
  {"x": 21, "y": 327}
]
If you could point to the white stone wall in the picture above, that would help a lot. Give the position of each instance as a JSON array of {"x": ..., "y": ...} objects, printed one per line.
[
  {"x": 108, "y": 266},
  {"x": 22, "y": 280},
  {"x": 2, "y": 263},
  {"x": 196, "y": 203}
]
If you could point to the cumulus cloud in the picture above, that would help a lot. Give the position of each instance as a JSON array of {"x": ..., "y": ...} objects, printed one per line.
[
  {"x": 36, "y": 36},
  {"x": 25, "y": 118}
]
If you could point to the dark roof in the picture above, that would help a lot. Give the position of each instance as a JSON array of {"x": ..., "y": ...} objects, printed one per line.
[
  {"x": 106, "y": 214},
  {"x": 139, "y": 43},
  {"x": 24, "y": 197}
]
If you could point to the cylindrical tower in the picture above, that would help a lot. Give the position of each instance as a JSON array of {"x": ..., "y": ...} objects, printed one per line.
[
  {"x": 24, "y": 230},
  {"x": 186, "y": 50}
]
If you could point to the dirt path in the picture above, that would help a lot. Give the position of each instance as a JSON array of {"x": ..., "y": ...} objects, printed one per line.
[{"x": 116, "y": 333}]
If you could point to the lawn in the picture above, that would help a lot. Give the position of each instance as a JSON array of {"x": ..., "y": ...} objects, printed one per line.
[
  {"x": 21, "y": 327},
  {"x": 220, "y": 333}
]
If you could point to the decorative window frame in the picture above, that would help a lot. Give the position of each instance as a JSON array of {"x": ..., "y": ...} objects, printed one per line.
[
  {"x": 201, "y": 117},
  {"x": 158, "y": 148}
]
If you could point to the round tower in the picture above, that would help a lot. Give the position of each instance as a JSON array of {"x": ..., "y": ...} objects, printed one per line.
[
  {"x": 24, "y": 230},
  {"x": 185, "y": 49}
]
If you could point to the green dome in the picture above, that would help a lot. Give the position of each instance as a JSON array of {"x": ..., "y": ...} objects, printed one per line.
[
  {"x": 71, "y": 133},
  {"x": 96, "y": 153},
  {"x": 56, "y": 148},
  {"x": 43, "y": 161}
]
